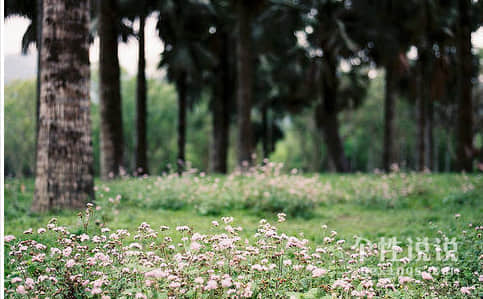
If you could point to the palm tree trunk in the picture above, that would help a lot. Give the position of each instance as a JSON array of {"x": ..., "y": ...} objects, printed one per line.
[
  {"x": 421, "y": 114},
  {"x": 110, "y": 91},
  {"x": 64, "y": 153},
  {"x": 429, "y": 142},
  {"x": 244, "y": 86},
  {"x": 181, "y": 87},
  {"x": 326, "y": 116},
  {"x": 39, "y": 67},
  {"x": 265, "y": 140},
  {"x": 222, "y": 97},
  {"x": 335, "y": 148},
  {"x": 465, "y": 108},
  {"x": 389, "y": 108},
  {"x": 141, "y": 111}
]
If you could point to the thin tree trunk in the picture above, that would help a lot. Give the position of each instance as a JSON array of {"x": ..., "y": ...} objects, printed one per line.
[
  {"x": 244, "y": 86},
  {"x": 39, "y": 67},
  {"x": 447, "y": 156},
  {"x": 271, "y": 132},
  {"x": 465, "y": 108},
  {"x": 265, "y": 141},
  {"x": 421, "y": 114},
  {"x": 181, "y": 87},
  {"x": 221, "y": 112},
  {"x": 110, "y": 89},
  {"x": 141, "y": 111},
  {"x": 429, "y": 142},
  {"x": 64, "y": 153},
  {"x": 436, "y": 149},
  {"x": 388, "y": 156},
  {"x": 335, "y": 148},
  {"x": 326, "y": 116}
]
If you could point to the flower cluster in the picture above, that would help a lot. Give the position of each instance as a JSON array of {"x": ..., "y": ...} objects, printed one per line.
[{"x": 180, "y": 262}]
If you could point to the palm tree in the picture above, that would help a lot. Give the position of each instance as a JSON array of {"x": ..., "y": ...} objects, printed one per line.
[
  {"x": 33, "y": 34},
  {"x": 221, "y": 79},
  {"x": 183, "y": 27},
  {"x": 140, "y": 10},
  {"x": 331, "y": 39},
  {"x": 141, "y": 159},
  {"x": 465, "y": 117},
  {"x": 245, "y": 74},
  {"x": 385, "y": 27},
  {"x": 110, "y": 94},
  {"x": 64, "y": 153},
  {"x": 222, "y": 98}
]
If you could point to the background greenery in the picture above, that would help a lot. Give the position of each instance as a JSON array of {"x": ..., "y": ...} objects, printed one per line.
[{"x": 302, "y": 146}]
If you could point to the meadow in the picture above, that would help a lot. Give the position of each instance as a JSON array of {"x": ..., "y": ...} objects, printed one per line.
[{"x": 265, "y": 233}]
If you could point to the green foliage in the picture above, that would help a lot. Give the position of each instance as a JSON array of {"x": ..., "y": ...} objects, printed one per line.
[
  {"x": 161, "y": 121},
  {"x": 20, "y": 128},
  {"x": 362, "y": 132}
]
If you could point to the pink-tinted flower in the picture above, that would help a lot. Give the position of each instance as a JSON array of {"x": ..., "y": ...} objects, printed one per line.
[
  {"x": 466, "y": 290},
  {"x": 174, "y": 285},
  {"x": 67, "y": 251},
  {"x": 140, "y": 296},
  {"x": 9, "y": 238},
  {"x": 84, "y": 237},
  {"x": 226, "y": 283},
  {"x": 16, "y": 279},
  {"x": 199, "y": 280},
  {"x": 247, "y": 292},
  {"x": 21, "y": 290},
  {"x": 318, "y": 272},
  {"x": 96, "y": 291},
  {"x": 445, "y": 270},
  {"x": 426, "y": 276},
  {"x": 211, "y": 285},
  {"x": 405, "y": 279},
  {"x": 156, "y": 273},
  {"x": 29, "y": 283},
  {"x": 195, "y": 246},
  {"x": 70, "y": 263}
]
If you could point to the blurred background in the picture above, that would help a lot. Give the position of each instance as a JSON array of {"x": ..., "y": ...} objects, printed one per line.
[{"x": 343, "y": 86}]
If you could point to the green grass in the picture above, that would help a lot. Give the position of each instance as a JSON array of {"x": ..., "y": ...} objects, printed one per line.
[
  {"x": 408, "y": 207},
  {"x": 435, "y": 201}
]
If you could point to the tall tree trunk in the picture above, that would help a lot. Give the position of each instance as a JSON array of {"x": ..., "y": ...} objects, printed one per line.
[
  {"x": 64, "y": 153},
  {"x": 265, "y": 141},
  {"x": 388, "y": 156},
  {"x": 244, "y": 86},
  {"x": 335, "y": 148},
  {"x": 421, "y": 111},
  {"x": 181, "y": 86},
  {"x": 429, "y": 142},
  {"x": 465, "y": 109},
  {"x": 222, "y": 96},
  {"x": 326, "y": 116},
  {"x": 110, "y": 89},
  {"x": 39, "y": 67},
  {"x": 141, "y": 111}
]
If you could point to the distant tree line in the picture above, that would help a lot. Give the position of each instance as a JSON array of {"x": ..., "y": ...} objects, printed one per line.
[{"x": 276, "y": 57}]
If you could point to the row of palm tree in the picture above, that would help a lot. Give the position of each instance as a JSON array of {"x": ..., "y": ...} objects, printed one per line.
[{"x": 271, "y": 70}]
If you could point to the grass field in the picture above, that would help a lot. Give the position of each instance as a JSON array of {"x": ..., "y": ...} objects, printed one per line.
[{"x": 400, "y": 205}]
